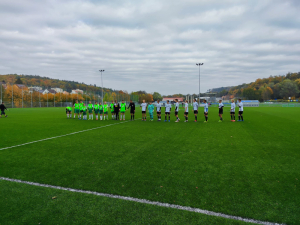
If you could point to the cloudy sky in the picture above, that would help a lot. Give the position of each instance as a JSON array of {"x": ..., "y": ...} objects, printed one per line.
[{"x": 151, "y": 45}]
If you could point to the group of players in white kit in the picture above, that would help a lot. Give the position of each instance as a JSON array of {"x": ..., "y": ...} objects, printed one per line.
[{"x": 168, "y": 107}]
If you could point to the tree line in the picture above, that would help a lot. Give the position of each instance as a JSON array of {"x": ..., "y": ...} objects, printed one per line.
[{"x": 271, "y": 88}]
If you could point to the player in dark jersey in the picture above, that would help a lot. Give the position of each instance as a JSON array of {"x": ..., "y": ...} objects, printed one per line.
[
  {"x": 132, "y": 109},
  {"x": 2, "y": 108},
  {"x": 116, "y": 109}
]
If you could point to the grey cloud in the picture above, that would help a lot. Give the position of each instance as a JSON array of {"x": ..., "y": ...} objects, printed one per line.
[{"x": 151, "y": 45}]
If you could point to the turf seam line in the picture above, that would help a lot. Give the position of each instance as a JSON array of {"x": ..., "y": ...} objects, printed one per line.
[
  {"x": 144, "y": 201},
  {"x": 64, "y": 135}
]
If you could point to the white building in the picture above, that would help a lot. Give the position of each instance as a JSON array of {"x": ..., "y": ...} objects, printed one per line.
[
  {"x": 58, "y": 90},
  {"x": 77, "y": 91}
]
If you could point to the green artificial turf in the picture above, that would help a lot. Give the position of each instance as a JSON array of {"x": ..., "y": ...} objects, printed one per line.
[{"x": 249, "y": 169}]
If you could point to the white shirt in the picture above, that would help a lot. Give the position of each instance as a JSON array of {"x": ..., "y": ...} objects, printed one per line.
[
  {"x": 158, "y": 106},
  {"x": 221, "y": 105},
  {"x": 186, "y": 107},
  {"x": 144, "y": 106},
  {"x": 195, "y": 105},
  {"x": 232, "y": 109},
  {"x": 240, "y": 105},
  {"x": 177, "y": 107},
  {"x": 168, "y": 107},
  {"x": 205, "y": 107}
]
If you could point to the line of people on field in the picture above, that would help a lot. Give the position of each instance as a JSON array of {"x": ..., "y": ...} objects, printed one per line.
[
  {"x": 81, "y": 110},
  {"x": 168, "y": 107}
]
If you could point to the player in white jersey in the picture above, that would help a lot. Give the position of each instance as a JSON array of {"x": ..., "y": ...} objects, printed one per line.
[
  {"x": 232, "y": 111},
  {"x": 168, "y": 110},
  {"x": 186, "y": 110},
  {"x": 176, "y": 110},
  {"x": 158, "y": 110},
  {"x": 195, "y": 106},
  {"x": 205, "y": 110},
  {"x": 241, "y": 110},
  {"x": 144, "y": 110},
  {"x": 221, "y": 106}
]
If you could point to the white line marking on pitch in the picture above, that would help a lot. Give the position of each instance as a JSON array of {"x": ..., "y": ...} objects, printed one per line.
[
  {"x": 45, "y": 139},
  {"x": 186, "y": 208}
]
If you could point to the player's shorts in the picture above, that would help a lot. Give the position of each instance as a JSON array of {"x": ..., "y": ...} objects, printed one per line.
[
  {"x": 68, "y": 111},
  {"x": 221, "y": 111},
  {"x": 122, "y": 111},
  {"x": 105, "y": 113},
  {"x": 176, "y": 113},
  {"x": 158, "y": 113},
  {"x": 205, "y": 113},
  {"x": 132, "y": 111},
  {"x": 84, "y": 113},
  {"x": 143, "y": 112},
  {"x": 90, "y": 110},
  {"x": 195, "y": 111},
  {"x": 81, "y": 111},
  {"x": 240, "y": 112},
  {"x": 232, "y": 112},
  {"x": 76, "y": 111},
  {"x": 96, "y": 111},
  {"x": 112, "y": 111},
  {"x": 2, "y": 112},
  {"x": 186, "y": 113},
  {"x": 101, "y": 111},
  {"x": 167, "y": 113}
]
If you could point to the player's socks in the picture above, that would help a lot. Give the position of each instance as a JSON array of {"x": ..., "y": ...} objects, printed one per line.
[
  {"x": 239, "y": 117},
  {"x": 233, "y": 117},
  {"x": 169, "y": 118},
  {"x": 133, "y": 117},
  {"x": 242, "y": 118},
  {"x": 196, "y": 118},
  {"x": 206, "y": 118},
  {"x": 124, "y": 117}
]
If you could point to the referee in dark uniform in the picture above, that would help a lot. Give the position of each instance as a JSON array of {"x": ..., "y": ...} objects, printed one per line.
[
  {"x": 116, "y": 109},
  {"x": 132, "y": 109}
]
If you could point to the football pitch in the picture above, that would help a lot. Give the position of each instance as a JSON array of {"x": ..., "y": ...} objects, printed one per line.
[{"x": 245, "y": 169}]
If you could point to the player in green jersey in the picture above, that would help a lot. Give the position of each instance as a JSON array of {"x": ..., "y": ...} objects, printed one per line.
[
  {"x": 76, "y": 109},
  {"x": 122, "y": 110},
  {"x": 105, "y": 110},
  {"x": 151, "y": 110},
  {"x": 96, "y": 110},
  {"x": 90, "y": 108},
  {"x": 101, "y": 110},
  {"x": 69, "y": 112},
  {"x": 113, "y": 116},
  {"x": 84, "y": 111},
  {"x": 81, "y": 105}
]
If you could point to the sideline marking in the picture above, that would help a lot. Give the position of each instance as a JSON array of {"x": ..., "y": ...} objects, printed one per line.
[
  {"x": 45, "y": 139},
  {"x": 186, "y": 208}
]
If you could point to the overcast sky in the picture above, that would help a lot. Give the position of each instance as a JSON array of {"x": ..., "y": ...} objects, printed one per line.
[{"x": 151, "y": 45}]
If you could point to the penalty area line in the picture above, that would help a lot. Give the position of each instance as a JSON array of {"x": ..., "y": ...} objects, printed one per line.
[
  {"x": 144, "y": 201},
  {"x": 64, "y": 135}
]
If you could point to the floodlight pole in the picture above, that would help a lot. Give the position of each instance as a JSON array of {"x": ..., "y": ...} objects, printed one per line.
[
  {"x": 12, "y": 96},
  {"x": 199, "y": 64},
  {"x": 102, "y": 83}
]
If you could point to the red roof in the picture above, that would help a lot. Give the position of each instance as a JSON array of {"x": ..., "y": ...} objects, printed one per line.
[{"x": 173, "y": 99}]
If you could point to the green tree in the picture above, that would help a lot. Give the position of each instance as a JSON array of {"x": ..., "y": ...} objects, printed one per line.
[
  {"x": 157, "y": 96},
  {"x": 289, "y": 89}
]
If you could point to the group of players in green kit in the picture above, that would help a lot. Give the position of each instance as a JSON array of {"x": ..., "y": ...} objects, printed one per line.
[{"x": 81, "y": 110}]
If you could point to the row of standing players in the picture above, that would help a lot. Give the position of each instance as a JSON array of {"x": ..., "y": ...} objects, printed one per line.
[
  {"x": 186, "y": 110},
  {"x": 80, "y": 109}
]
